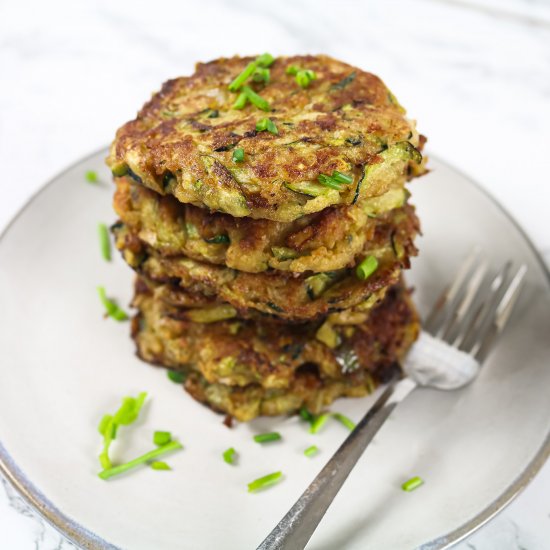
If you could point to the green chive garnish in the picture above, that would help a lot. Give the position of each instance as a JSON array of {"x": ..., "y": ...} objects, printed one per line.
[
  {"x": 126, "y": 414},
  {"x": 243, "y": 77},
  {"x": 229, "y": 455},
  {"x": 329, "y": 182},
  {"x": 130, "y": 409},
  {"x": 91, "y": 176},
  {"x": 366, "y": 268},
  {"x": 241, "y": 101},
  {"x": 335, "y": 181},
  {"x": 304, "y": 77},
  {"x": 347, "y": 422},
  {"x": 265, "y": 60},
  {"x": 162, "y": 438},
  {"x": 412, "y": 484},
  {"x": 104, "y": 242},
  {"x": 341, "y": 178},
  {"x": 264, "y": 481},
  {"x": 176, "y": 377},
  {"x": 143, "y": 459},
  {"x": 261, "y": 75},
  {"x": 310, "y": 451},
  {"x": 112, "y": 309},
  {"x": 104, "y": 424},
  {"x": 266, "y": 124},
  {"x": 319, "y": 422},
  {"x": 238, "y": 154},
  {"x": 265, "y": 438},
  {"x": 306, "y": 415},
  {"x": 256, "y": 99},
  {"x": 159, "y": 465},
  {"x": 292, "y": 69}
]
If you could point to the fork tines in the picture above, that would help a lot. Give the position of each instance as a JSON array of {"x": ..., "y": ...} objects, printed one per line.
[{"x": 473, "y": 310}]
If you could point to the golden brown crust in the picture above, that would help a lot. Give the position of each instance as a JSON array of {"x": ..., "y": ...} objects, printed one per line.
[
  {"x": 290, "y": 297},
  {"x": 181, "y": 143}
]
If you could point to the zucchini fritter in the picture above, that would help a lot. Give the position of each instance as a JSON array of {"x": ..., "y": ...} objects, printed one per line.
[
  {"x": 288, "y": 296},
  {"x": 325, "y": 241},
  {"x": 346, "y": 120},
  {"x": 247, "y": 368}
]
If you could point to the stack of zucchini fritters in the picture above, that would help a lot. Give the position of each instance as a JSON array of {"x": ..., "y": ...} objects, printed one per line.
[{"x": 262, "y": 206}]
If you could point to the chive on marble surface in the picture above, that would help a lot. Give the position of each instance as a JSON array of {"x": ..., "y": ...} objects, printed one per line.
[{"x": 475, "y": 74}]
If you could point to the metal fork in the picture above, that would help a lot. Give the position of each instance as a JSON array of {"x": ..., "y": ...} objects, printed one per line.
[{"x": 465, "y": 317}]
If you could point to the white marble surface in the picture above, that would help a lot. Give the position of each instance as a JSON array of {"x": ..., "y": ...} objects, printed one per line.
[{"x": 476, "y": 75}]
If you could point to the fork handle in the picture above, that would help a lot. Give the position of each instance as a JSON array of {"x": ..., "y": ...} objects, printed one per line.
[{"x": 295, "y": 529}]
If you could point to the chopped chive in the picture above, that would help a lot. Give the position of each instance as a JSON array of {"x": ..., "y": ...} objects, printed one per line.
[
  {"x": 229, "y": 455},
  {"x": 255, "y": 99},
  {"x": 104, "y": 424},
  {"x": 218, "y": 239},
  {"x": 243, "y": 77},
  {"x": 272, "y": 128},
  {"x": 328, "y": 181},
  {"x": 266, "y": 124},
  {"x": 292, "y": 70},
  {"x": 306, "y": 415},
  {"x": 159, "y": 465},
  {"x": 104, "y": 242},
  {"x": 147, "y": 457},
  {"x": 261, "y": 125},
  {"x": 310, "y": 451},
  {"x": 366, "y": 268},
  {"x": 176, "y": 377},
  {"x": 241, "y": 101},
  {"x": 264, "y": 481},
  {"x": 412, "y": 484},
  {"x": 162, "y": 438},
  {"x": 104, "y": 461},
  {"x": 347, "y": 422},
  {"x": 265, "y": 60},
  {"x": 112, "y": 309},
  {"x": 130, "y": 409},
  {"x": 319, "y": 422},
  {"x": 214, "y": 113},
  {"x": 91, "y": 176},
  {"x": 126, "y": 414},
  {"x": 304, "y": 77},
  {"x": 261, "y": 75},
  {"x": 341, "y": 178},
  {"x": 265, "y": 438},
  {"x": 238, "y": 154}
]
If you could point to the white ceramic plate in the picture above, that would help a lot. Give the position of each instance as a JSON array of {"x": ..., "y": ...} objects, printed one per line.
[{"x": 63, "y": 366}]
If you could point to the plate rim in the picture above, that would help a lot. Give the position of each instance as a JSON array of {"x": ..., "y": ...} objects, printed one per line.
[{"x": 84, "y": 538}]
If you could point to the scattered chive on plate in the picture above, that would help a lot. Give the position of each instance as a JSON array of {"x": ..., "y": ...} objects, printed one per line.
[
  {"x": 230, "y": 455},
  {"x": 265, "y": 481},
  {"x": 318, "y": 422},
  {"x": 104, "y": 242},
  {"x": 91, "y": 176},
  {"x": 267, "y": 437},
  {"x": 311, "y": 450},
  {"x": 412, "y": 484}
]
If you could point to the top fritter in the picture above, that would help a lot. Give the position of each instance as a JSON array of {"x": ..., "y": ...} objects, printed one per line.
[{"x": 270, "y": 138}]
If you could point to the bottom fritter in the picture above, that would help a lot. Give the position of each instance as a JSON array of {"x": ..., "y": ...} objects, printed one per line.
[{"x": 249, "y": 368}]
